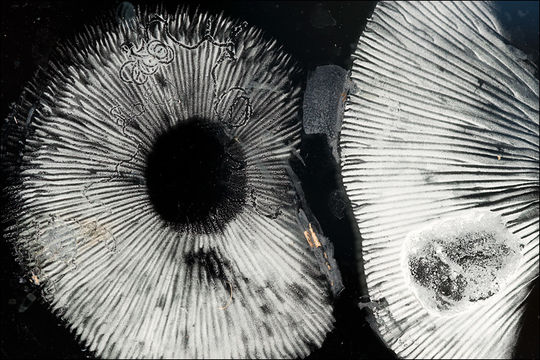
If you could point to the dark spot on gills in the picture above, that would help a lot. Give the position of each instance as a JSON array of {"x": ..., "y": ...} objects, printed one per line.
[
  {"x": 433, "y": 273},
  {"x": 456, "y": 262},
  {"x": 298, "y": 292},
  {"x": 267, "y": 310},
  {"x": 209, "y": 265},
  {"x": 268, "y": 329}
]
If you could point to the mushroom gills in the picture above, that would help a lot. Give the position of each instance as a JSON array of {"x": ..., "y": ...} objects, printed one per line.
[
  {"x": 127, "y": 268},
  {"x": 439, "y": 157}
]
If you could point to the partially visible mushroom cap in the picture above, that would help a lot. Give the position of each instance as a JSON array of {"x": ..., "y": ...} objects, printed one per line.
[
  {"x": 104, "y": 154},
  {"x": 439, "y": 150}
]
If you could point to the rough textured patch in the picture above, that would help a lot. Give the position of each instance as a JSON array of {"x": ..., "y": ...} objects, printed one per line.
[{"x": 458, "y": 262}]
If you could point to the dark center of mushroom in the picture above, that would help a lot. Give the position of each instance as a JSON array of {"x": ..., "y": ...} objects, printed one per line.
[{"x": 196, "y": 177}]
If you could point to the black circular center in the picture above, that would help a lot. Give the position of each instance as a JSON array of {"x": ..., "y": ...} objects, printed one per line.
[{"x": 195, "y": 176}]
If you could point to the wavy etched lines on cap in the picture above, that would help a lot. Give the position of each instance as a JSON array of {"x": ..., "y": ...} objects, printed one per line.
[
  {"x": 124, "y": 280},
  {"x": 445, "y": 119}
]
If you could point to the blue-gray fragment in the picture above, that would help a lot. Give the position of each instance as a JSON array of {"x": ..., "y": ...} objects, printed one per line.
[
  {"x": 326, "y": 91},
  {"x": 125, "y": 11}
]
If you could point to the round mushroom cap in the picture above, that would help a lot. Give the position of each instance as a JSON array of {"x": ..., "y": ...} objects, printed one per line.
[{"x": 149, "y": 194}]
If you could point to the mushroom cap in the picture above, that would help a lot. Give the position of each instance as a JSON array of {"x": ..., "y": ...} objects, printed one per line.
[
  {"x": 439, "y": 156},
  {"x": 81, "y": 220}
]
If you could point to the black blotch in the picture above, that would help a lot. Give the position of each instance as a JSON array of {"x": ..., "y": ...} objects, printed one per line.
[
  {"x": 135, "y": 125},
  {"x": 215, "y": 268},
  {"x": 298, "y": 292},
  {"x": 192, "y": 180},
  {"x": 503, "y": 150},
  {"x": 480, "y": 83},
  {"x": 266, "y": 310},
  {"x": 433, "y": 273}
]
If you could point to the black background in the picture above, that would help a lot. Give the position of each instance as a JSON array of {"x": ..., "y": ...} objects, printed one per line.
[{"x": 29, "y": 31}]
